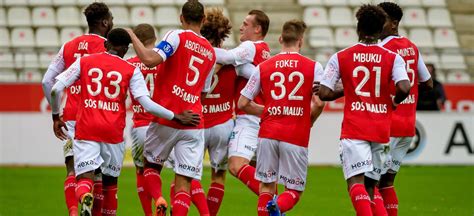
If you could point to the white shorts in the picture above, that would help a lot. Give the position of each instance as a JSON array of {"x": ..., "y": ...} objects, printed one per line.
[
  {"x": 398, "y": 149},
  {"x": 282, "y": 161},
  {"x": 67, "y": 144},
  {"x": 90, "y": 155},
  {"x": 216, "y": 142},
  {"x": 359, "y": 156},
  {"x": 188, "y": 145},
  {"x": 244, "y": 139},
  {"x": 138, "y": 140}
]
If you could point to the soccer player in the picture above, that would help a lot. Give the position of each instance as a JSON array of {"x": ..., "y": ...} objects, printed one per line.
[
  {"x": 141, "y": 119},
  {"x": 286, "y": 82},
  {"x": 366, "y": 70},
  {"x": 402, "y": 129},
  {"x": 244, "y": 140},
  {"x": 186, "y": 60},
  {"x": 105, "y": 78},
  {"x": 99, "y": 20}
]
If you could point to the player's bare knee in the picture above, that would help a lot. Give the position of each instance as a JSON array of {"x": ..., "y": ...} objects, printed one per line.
[
  {"x": 182, "y": 183},
  {"x": 387, "y": 180},
  {"x": 88, "y": 175},
  {"x": 268, "y": 187},
  {"x": 69, "y": 161},
  {"x": 357, "y": 179},
  {"x": 235, "y": 163},
  {"x": 139, "y": 170},
  {"x": 147, "y": 164},
  {"x": 109, "y": 180},
  {"x": 218, "y": 176}
]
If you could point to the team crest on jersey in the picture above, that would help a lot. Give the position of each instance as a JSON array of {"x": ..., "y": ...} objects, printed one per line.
[{"x": 265, "y": 54}]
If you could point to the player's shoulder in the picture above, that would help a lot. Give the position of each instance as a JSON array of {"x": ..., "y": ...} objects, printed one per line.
[{"x": 133, "y": 59}]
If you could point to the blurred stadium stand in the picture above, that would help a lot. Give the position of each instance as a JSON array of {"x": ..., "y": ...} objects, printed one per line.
[{"x": 31, "y": 31}]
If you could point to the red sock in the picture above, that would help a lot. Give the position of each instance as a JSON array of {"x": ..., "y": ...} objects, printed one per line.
[
  {"x": 172, "y": 194},
  {"x": 199, "y": 197},
  {"x": 360, "y": 200},
  {"x": 109, "y": 205},
  {"x": 390, "y": 199},
  {"x": 152, "y": 182},
  {"x": 378, "y": 208},
  {"x": 181, "y": 203},
  {"x": 214, "y": 198},
  {"x": 263, "y": 199},
  {"x": 98, "y": 198},
  {"x": 70, "y": 194},
  {"x": 246, "y": 174},
  {"x": 287, "y": 200},
  {"x": 84, "y": 186},
  {"x": 145, "y": 198}
]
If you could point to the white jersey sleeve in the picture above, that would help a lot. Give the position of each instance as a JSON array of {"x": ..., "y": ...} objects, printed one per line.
[
  {"x": 168, "y": 45},
  {"x": 244, "y": 53},
  {"x": 318, "y": 72},
  {"x": 154, "y": 108},
  {"x": 253, "y": 86},
  {"x": 399, "y": 71},
  {"x": 423, "y": 73},
  {"x": 54, "y": 69},
  {"x": 208, "y": 83},
  {"x": 137, "y": 84},
  {"x": 245, "y": 70},
  {"x": 331, "y": 74},
  {"x": 68, "y": 77}
]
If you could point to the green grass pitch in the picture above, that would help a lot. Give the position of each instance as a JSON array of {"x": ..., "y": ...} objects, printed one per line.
[{"x": 422, "y": 190}]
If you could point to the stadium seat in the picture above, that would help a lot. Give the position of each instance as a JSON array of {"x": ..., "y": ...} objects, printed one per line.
[
  {"x": 335, "y": 2},
  {"x": 30, "y": 75},
  {"x": 310, "y": 2},
  {"x": 6, "y": 60},
  {"x": 421, "y": 37},
  {"x": 47, "y": 37},
  {"x": 162, "y": 2},
  {"x": 8, "y": 76},
  {"x": 3, "y": 17},
  {"x": 114, "y": 2},
  {"x": 358, "y": 3},
  {"x": 439, "y": 17},
  {"x": 458, "y": 77},
  {"x": 346, "y": 37},
  {"x": 24, "y": 37},
  {"x": 123, "y": 19},
  {"x": 15, "y": 3},
  {"x": 321, "y": 37},
  {"x": 68, "y": 33},
  {"x": 315, "y": 16},
  {"x": 340, "y": 16},
  {"x": 40, "y": 2},
  {"x": 445, "y": 38},
  {"x": 453, "y": 61},
  {"x": 142, "y": 15},
  {"x": 29, "y": 60},
  {"x": 167, "y": 16},
  {"x": 19, "y": 16},
  {"x": 403, "y": 32},
  {"x": 83, "y": 2},
  {"x": 414, "y": 17},
  {"x": 179, "y": 3},
  {"x": 43, "y": 16},
  {"x": 138, "y": 2},
  {"x": 165, "y": 30},
  {"x": 433, "y": 3},
  {"x": 409, "y": 3},
  {"x": 68, "y": 16},
  {"x": 212, "y": 2},
  {"x": 64, "y": 2},
  {"x": 4, "y": 38},
  {"x": 45, "y": 58},
  {"x": 431, "y": 58},
  {"x": 323, "y": 56}
]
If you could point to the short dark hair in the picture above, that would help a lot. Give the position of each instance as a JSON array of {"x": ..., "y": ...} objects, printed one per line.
[
  {"x": 261, "y": 19},
  {"x": 393, "y": 11},
  {"x": 145, "y": 33},
  {"x": 193, "y": 12},
  {"x": 370, "y": 20},
  {"x": 292, "y": 31},
  {"x": 118, "y": 37},
  {"x": 96, "y": 12},
  {"x": 216, "y": 26}
]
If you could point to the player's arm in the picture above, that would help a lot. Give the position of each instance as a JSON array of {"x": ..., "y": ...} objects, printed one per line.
[
  {"x": 245, "y": 70},
  {"x": 154, "y": 57},
  {"x": 424, "y": 76},
  {"x": 240, "y": 55},
  {"x": 54, "y": 69},
  {"x": 402, "y": 83},
  {"x": 327, "y": 89},
  {"x": 141, "y": 94},
  {"x": 64, "y": 80},
  {"x": 251, "y": 90},
  {"x": 317, "y": 105}
]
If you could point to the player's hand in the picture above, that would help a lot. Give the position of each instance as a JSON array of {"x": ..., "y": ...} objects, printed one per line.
[
  {"x": 130, "y": 31},
  {"x": 188, "y": 118},
  {"x": 316, "y": 86},
  {"x": 58, "y": 126}
]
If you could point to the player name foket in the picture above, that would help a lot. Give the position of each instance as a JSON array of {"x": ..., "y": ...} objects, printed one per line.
[
  {"x": 216, "y": 108},
  {"x": 373, "y": 108},
  {"x": 367, "y": 57},
  {"x": 285, "y": 110},
  {"x": 103, "y": 105},
  {"x": 185, "y": 96},
  {"x": 286, "y": 63},
  {"x": 193, "y": 46}
]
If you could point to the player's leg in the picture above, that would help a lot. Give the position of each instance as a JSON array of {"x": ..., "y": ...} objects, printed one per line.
[
  {"x": 113, "y": 155},
  {"x": 189, "y": 153},
  {"x": 380, "y": 154},
  {"x": 242, "y": 145},
  {"x": 267, "y": 174},
  {"x": 70, "y": 181},
  {"x": 215, "y": 195},
  {"x": 398, "y": 149},
  {"x": 159, "y": 142},
  {"x": 138, "y": 140},
  {"x": 293, "y": 170},
  {"x": 356, "y": 159},
  {"x": 87, "y": 160},
  {"x": 98, "y": 194}
]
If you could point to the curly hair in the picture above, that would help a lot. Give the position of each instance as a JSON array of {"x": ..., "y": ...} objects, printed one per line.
[
  {"x": 216, "y": 26},
  {"x": 119, "y": 37},
  {"x": 96, "y": 12},
  {"x": 393, "y": 10},
  {"x": 370, "y": 20}
]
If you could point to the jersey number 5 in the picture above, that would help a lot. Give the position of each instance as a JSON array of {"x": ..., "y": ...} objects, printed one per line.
[
  {"x": 281, "y": 82},
  {"x": 97, "y": 80},
  {"x": 193, "y": 69}
]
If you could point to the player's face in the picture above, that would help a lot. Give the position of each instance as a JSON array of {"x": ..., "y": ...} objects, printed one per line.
[{"x": 248, "y": 28}]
